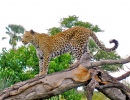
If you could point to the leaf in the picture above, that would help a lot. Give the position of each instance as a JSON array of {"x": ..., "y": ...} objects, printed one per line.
[
  {"x": 4, "y": 38},
  {"x": 7, "y": 29}
]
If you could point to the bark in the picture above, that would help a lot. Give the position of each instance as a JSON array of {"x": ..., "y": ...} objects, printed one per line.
[
  {"x": 124, "y": 76},
  {"x": 83, "y": 72}
]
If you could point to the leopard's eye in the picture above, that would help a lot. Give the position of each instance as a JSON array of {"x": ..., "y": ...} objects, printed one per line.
[{"x": 26, "y": 36}]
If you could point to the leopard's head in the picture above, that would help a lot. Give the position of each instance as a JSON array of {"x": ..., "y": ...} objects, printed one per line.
[{"x": 28, "y": 37}]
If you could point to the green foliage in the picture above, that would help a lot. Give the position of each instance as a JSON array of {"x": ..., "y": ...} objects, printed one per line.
[
  {"x": 6, "y": 78},
  {"x": 60, "y": 63},
  {"x": 71, "y": 21},
  {"x": 72, "y": 95},
  {"x": 20, "y": 64},
  {"x": 59, "y": 97},
  {"x": 68, "y": 22},
  {"x": 102, "y": 55},
  {"x": 54, "y": 30},
  {"x": 99, "y": 96},
  {"x": 15, "y": 28},
  {"x": 69, "y": 95}
]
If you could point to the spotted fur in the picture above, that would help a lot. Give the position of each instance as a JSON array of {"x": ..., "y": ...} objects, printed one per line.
[{"x": 74, "y": 40}]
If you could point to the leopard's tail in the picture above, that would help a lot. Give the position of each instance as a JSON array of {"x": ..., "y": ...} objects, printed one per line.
[{"x": 102, "y": 46}]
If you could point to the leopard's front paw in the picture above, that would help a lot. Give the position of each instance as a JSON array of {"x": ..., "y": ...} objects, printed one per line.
[{"x": 41, "y": 74}]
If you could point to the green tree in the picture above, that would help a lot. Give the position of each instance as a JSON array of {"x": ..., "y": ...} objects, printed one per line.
[{"x": 14, "y": 32}]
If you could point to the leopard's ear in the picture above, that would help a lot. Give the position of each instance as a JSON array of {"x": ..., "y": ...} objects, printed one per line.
[{"x": 32, "y": 32}]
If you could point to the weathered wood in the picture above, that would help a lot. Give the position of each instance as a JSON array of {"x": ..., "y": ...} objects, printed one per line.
[
  {"x": 83, "y": 72},
  {"x": 124, "y": 76},
  {"x": 46, "y": 86}
]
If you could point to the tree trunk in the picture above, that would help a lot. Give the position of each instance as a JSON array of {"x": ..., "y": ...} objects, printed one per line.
[{"x": 82, "y": 73}]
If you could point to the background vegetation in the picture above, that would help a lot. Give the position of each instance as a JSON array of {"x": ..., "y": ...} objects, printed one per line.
[{"x": 19, "y": 64}]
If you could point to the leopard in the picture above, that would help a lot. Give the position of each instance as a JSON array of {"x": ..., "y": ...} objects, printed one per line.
[{"x": 74, "y": 40}]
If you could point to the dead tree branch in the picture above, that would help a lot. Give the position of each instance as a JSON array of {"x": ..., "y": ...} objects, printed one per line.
[
  {"x": 82, "y": 73},
  {"x": 127, "y": 74}
]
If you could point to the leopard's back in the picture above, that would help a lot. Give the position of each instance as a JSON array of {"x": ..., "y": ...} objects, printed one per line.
[
  {"x": 75, "y": 40},
  {"x": 72, "y": 40}
]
